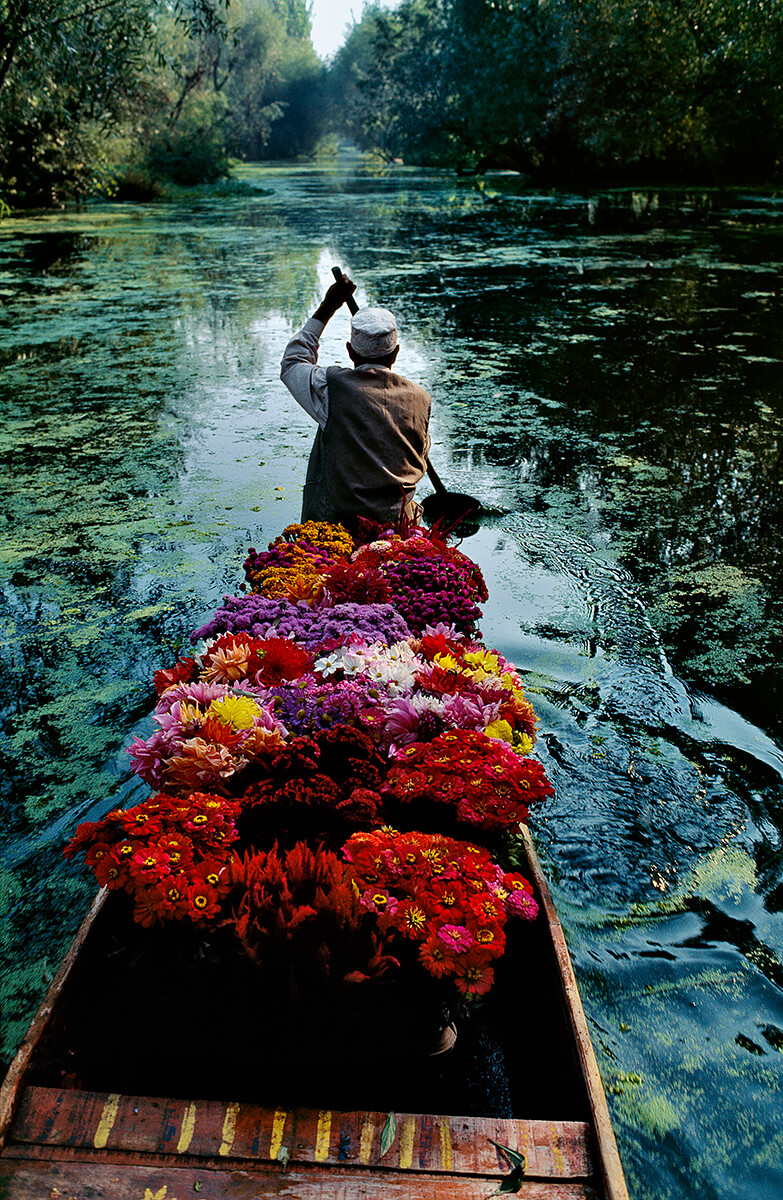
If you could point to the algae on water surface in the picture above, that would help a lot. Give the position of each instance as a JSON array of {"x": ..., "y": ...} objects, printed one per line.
[{"x": 605, "y": 374}]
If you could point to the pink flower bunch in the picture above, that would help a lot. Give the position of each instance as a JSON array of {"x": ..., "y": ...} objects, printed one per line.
[{"x": 209, "y": 732}]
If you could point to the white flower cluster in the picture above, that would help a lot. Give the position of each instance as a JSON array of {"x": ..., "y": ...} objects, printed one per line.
[{"x": 391, "y": 668}]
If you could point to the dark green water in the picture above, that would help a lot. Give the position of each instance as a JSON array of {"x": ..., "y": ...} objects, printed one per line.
[{"x": 607, "y": 375}]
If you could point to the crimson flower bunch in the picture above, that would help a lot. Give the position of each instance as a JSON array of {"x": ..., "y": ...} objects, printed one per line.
[
  {"x": 448, "y": 897},
  {"x": 169, "y": 854},
  {"x": 322, "y": 787},
  {"x": 482, "y": 779},
  {"x": 420, "y": 546},
  {"x": 262, "y": 661},
  {"x": 297, "y": 913},
  {"x": 356, "y": 583}
]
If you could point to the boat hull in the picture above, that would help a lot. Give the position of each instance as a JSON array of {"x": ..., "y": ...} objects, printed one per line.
[{"x": 72, "y": 1126}]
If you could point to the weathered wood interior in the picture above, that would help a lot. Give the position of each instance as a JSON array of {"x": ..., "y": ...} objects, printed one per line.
[
  {"x": 155, "y": 1072},
  {"x": 143, "y": 1014}
]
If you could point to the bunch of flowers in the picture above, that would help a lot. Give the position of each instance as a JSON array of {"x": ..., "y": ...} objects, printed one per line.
[
  {"x": 448, "y": 897},
  {"x": 297, "y": 911},
  {"x": 426, "y": 594},
  {"x": 321, "y": 787},
  {"x": 310, "y": 704},
  {"x": 460, "y": 668},
  {"x": 427, "y": 580},
  {"x": 293, "y": 566},
  {"x": 422, "y": 545},
  {"x": 368, "y": 622},
  {"x": 209, "y": 732},
  {"x": 289, "y": 570},
  {"x": 170, "y": 854},
  {"x": 391, "y": 669},
  {"x": 233, "y": 657},
  {"x": 437, "y": 682},
  {"x": 482, "y": 780},
  {"x": 256, "y": 615},
  {"x": 356, "y": 583},
  {"x": 311, "y": 627},
  {"x": 334, "y": 540},
  {"x": 351, "y": 683}
]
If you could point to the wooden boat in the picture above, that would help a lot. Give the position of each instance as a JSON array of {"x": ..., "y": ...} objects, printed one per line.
[{"x": 94, "y": 1106}]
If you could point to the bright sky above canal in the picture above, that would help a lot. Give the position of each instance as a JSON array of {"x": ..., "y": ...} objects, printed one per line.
[{"x": 331, "y": 20}]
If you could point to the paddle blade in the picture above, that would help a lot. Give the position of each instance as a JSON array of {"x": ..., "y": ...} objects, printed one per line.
[{"x": 452, "y": 510}]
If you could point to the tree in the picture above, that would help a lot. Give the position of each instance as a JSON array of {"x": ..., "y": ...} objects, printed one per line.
[
  {"x": 679, "y": 87},
  {"x": 387, "y": 81},
  {"x": 70, "y": 72},
  {"x": 467, "y": 83},
  {"x": 275, "y": 93},
  {"x": 501, "y": 64},
  {"x": 564, "y": 90}
]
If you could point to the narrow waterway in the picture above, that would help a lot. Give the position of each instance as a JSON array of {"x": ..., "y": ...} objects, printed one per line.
[{"x": 607, "y": 376}]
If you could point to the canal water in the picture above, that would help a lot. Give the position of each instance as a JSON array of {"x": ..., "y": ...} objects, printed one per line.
[{"x": 606, "y": 374}]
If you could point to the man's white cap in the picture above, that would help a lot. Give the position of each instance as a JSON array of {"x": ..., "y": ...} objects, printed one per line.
[{"x": 373, "y": 332}]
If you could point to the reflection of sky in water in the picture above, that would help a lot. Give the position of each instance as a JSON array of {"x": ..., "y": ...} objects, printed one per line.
[{"x": 607, "y": 378}]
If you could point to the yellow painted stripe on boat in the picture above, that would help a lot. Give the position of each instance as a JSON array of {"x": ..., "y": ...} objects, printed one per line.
[
  {"x": 322, "y": 1136},
  {"x": 187, "y": 1130},
  {"x": 406, "y": 1142},
  {"x": 229, "y": 1129},
  {"x": 557, "y": 1153},
  {"x": 278, "y": 1126},
  {"x": 445, "y": 1146},
  {"x": 106, "y": 1123},
  {"x": 365, "y": 1145}
]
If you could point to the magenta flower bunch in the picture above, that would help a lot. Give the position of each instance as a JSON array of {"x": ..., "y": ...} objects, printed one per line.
[
  {"x": 427, "y": 592},
  {"x": 310, "y": 704}
]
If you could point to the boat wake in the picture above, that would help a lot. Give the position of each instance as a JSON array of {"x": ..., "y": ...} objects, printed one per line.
[{"x": 650, "y": 777}]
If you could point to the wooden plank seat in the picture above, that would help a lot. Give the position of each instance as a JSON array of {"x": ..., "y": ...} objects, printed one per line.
[{"x": 50, "y": 1120}]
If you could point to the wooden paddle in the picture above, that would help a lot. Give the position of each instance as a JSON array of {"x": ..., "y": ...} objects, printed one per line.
[{"x": 448, "y": 509}]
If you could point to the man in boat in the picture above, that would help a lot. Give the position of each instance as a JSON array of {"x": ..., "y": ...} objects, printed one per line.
[{"x": 372, "y": 441}]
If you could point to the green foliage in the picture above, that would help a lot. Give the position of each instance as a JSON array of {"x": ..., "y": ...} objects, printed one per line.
[
  {"x": 388, "y": 82},
  {"x": 96, "y": 94},
  {"x": 559, "y": 88},
  {"x": 502, "y": 61},
  {"x": 300, "y": 93},
  {"x": 250, "y": 94},
  {"x": 178, "y": 135},
  {"x": 115, "y": 96},
  {"x": 188, "y": 155},
  {"x": 695, "y": 84},
  {"x": 275, "y": 82},
  {"x": 67, "y": 74}
]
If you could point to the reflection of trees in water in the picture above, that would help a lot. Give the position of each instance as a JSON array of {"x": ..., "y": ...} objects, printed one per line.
[
  {"x": 646, "y": 395},
  {"x": 94, "y": 444}
]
